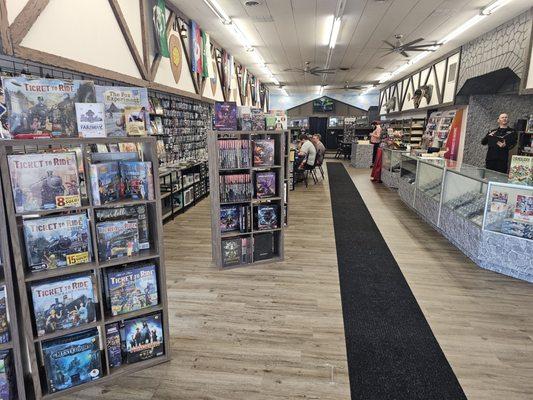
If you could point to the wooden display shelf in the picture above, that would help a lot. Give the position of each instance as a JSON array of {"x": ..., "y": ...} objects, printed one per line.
[
  {"x": 26, "y": 278},
  {"x": 215, "y": 171}
]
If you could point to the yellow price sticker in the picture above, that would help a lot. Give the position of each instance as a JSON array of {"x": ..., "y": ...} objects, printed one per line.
[{"x": 78, "y": 258}]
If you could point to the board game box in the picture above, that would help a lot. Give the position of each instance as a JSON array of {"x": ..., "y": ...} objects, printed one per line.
[
  {"x": 131, "y": 288},
  {"x": 229, "y": 218},
  {"x": 8, "y": 389},
  {"x": 105, "y": 182},
  {"x": 44, "y": 181},
  {"x": 267, "y": 217},
  {"x": 498, "y": 201},
  {"x": 258, "y": 119},
  {"x": 231, "y": 252},
  {"x": 263, "y": 152},
  {"x": 117, "y": 239},
  {"x": 116, "y": 99},
  {"x": 63, "y": 303},
  {"x": 137, "y": 212},
  {"x": 4, "y": 323},
  {"x": 44, "y": 107},
  {"x": 135, "y": 120},
  {"x": 137, "y": 180},
  {"x": 244, "y": 118},
  {"x": 90, "y": 119},
  {"x": 72, "y": 360},
  {"x": 225, "y": 116},
  {"x": 57, "y": 241},
  {"x": 114, "y": 345},
  {"x": 265, "y": 184},
  {"x": 524, "y": 208},
  {"x": 144, "y": 338}
]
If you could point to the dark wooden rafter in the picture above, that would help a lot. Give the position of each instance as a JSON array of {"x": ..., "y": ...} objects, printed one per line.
[
  {"x": 129, "y": 38},
  {"x": 444, "y": 78},
  {"x": 25, "y": 20},
  {"x": 145, "y": 38},
  {"x": 218, "y": 61},
  {"x": 405, "y": 90},
  {"x": 437, "y": 84},
  {"x": 4, "y": 29}
]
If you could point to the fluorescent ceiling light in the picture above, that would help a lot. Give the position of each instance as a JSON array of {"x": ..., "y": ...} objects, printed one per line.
[
  {"x": 321, "y": 90},
  {"x": 219, "y": 11},
  {"x": 494, "y": 6},
  {"x": 273, "y": 79},
  {"x": 335, "y": 33},
  {"x": 467, "y": 25},
  {"x": 328, "y": 29},
  {"x": 259, "y": 59}
]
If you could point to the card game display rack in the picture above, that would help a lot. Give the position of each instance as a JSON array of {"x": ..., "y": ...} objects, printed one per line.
[
  {"x": 249, "y": 171},
  {"x": 85, "y": 148},
  {"x": 13, "y": 344}
]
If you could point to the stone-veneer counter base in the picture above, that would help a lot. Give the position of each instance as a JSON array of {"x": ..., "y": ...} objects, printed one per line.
[
  {"x": 406, "y": 191},
  {"x": 427, "y": 207},
  {"x": 462, "y": 232},
  {"x": 390, "y": 179},
  {"x": 361, "y": 155}
]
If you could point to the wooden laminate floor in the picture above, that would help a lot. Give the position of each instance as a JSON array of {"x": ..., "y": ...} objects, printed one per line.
[{"x": 276, "y": 331}]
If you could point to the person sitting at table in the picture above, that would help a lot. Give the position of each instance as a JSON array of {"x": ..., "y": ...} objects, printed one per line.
[
  {"x": 307, "y": 153},
  {"x": 320, "y": 151},
  {"x": 375, "y": 139}
]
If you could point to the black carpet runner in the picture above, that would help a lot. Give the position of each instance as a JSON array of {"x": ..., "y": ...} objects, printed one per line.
[{"x": 392, "y": 353}]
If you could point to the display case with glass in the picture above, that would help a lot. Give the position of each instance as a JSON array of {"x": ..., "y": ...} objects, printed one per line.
[
  {"x": 509, "y": 209},
  {"x": 390, "y": 167},
  {"x": 406, "y": 183},
  {"x": 465, "y": 190},
  {"x": 430, "y": 176}
]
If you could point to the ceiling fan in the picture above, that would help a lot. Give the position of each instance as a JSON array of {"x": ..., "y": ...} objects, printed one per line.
[
  {"x": 403, "y": 48},
  {"x": 316, "y": 71}
]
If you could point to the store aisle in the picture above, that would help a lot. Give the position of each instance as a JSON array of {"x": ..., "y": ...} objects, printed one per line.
[
  {"x": 392, "y": 352},
  {"x": 259, "y": 333},
  {"x": 482, "y": 320}
]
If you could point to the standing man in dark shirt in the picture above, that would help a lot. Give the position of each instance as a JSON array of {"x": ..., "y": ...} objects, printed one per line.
[{"x": 499, "y": 141}]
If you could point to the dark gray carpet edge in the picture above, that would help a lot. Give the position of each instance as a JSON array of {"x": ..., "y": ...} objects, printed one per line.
[{"x": 392, "y": 352}]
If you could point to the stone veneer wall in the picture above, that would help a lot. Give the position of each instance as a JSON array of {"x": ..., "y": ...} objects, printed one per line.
[
  {"x": 483, "y": 111},
  {"x": 504, "y": 46}
]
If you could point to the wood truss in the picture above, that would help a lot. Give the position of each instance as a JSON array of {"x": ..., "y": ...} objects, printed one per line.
[{"x": 13, "y": 34}]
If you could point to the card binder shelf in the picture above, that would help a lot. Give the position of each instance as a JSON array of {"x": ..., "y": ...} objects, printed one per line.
[
  {"x": 246, "y": 167},
  {"x": 34, "y": 365}
]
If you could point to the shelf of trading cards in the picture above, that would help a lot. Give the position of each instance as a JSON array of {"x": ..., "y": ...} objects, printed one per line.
[
  {"x": 183, "y": 187},
  {"x": 247, "y": 178},
  {"x": 11, "y": 366},
  {"x": 85, "y": 226}
]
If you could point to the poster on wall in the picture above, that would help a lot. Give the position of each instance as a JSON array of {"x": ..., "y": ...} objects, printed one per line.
[
  {"x": 196, "y": 48},
  {"x": 160, "y": 27},
  {"x": 176, "y": 58},
  {"x": 44, "y": 107},
  {"x": 454, "y": 137},
  {"x": 116, "y": 99}
]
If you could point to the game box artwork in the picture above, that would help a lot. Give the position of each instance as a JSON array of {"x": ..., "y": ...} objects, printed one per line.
[
  {"x": 524, "y": 208},
  {"x": 263, "y": 152},
  {"x": 244, "y": 118},
  {"x": 258, "y": 119},
  {"x": 225, "y": 116},
  {"x": 231, "y": 252},
  {"x": 64, "y": 303},
  {"x": 114, "y": 345},
  {"x": 135, "y": 121},
  {"x": 4, "y": 324},
  {"x": 137, "y": 212},
  {"x": 72, "y": 360},
  {"x": 117, "y": 239},
  {"x": 267, "y": 217},
  {"x": 137, "y": 180},
  {"x": 57, "y": 241},
  {"x": 265, "y": 184},
  {"x": 131, "y": 288},
  {"x": 229, "y": 218},
  {"x": 44, "y": 181},
  {"x": 105, "y": 182},
  {"x": 143, "y": 338},
  {"x": 116, "y": 99},
  {"x": 44, "y": 107},
  {"x": 8, "y": 389},
  {"x": 90, "y": 119}
]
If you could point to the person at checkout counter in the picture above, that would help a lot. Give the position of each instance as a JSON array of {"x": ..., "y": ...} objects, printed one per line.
[
  {"x": 375, "y": 139},
  {"x": 499, "y": 142}
]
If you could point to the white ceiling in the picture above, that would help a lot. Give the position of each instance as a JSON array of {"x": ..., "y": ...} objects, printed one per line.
[{"x": 287, "y": 33}]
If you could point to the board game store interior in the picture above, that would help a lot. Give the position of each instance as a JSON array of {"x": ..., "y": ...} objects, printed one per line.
[{"x": 266, "y": 200}]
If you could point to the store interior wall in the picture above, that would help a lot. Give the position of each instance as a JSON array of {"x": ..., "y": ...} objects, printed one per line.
[
  {"x": 483, "y": 111},
  {"x": 281, "y": 102},
  {"x": 340, "y": 109}
]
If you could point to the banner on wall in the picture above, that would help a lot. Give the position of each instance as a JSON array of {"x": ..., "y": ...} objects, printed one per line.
[
  {"x": 454, "y": 137},
  {"x": 206, "y": 54},
  {"x": 212, "y": 69},
  {"x": 231, "y": 62},
  {"x": 244, "y": 81},
  {"x": 196, "y": 48},
  {"x": 160, "y": 28},
  {"x": 226, "y": 77}
]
